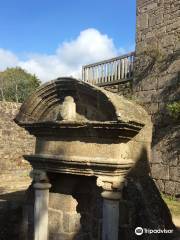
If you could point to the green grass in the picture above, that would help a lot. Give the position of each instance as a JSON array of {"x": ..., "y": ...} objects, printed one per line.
[{"x": 173, "y": 204}]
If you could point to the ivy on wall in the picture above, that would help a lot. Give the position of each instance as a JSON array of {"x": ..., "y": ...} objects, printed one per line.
[{"x": 174, "y": 109}]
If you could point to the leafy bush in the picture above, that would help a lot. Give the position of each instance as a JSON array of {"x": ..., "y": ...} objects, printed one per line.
[{"x": 174, "y": 109}]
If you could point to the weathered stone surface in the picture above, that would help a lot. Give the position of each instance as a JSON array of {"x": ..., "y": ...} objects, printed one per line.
[
  {"x": 156, "y": 155},
  {"x": 160, "y": 185},
  {"x": 62, "y": 202},
  {"x": 82, "y": 220},
  {"x": 170, "y": 187},
  {"x": 160, "y": 171},
  {"x": 124, "y": 89},
  {"x": 149, "y": 6},
  {"x": 177, "y": 191},
  {"x": 167, "y": 81},
  {"x": 142, "y": 21},
  {"x": 174, "y": 173},
  {"x": 61, "y": 236},
  {"x": 148, "y": 84},
  {"x": 71, "y": 222},
  {"x": 156, "y": 80},
  {"x": 55, "y": 221},
  {"x": 14, "y": 140}
]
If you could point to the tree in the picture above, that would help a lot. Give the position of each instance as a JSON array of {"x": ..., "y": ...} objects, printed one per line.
[{"x": 16, "y": 84}]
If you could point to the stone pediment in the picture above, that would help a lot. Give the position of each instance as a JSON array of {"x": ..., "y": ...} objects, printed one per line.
[{"x": 92, "y": 104}]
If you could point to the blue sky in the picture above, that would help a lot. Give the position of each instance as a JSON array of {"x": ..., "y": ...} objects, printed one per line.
[{"x": 35, "y": 31}]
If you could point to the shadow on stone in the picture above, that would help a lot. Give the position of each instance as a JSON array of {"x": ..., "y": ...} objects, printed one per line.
[{"x": 11, "y": 215}]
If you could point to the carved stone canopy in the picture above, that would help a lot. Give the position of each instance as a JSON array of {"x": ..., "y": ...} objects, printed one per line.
[{"x": 80, "y": 128}]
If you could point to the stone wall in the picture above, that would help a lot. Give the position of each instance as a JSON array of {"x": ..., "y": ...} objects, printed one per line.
[
  {"x": 14, "y": 142},
  {"x": 14, "y": 171},
  {"x": 75, "y": 208},
  {"x": 157, "y": 83},
  {"x": 124, "y": 89}
]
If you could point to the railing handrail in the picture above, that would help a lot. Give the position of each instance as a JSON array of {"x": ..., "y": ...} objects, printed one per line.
[
  {"x": 112, "y": 71},
  {"x": 108, "y": 60}
]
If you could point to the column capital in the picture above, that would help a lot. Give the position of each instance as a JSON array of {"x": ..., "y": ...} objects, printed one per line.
[
  {"x": 110, "y": 183},
  {"x": 111, "y": 195},
  {"x": 42, "y": 185},
  {"x": 39, "y": 175}
]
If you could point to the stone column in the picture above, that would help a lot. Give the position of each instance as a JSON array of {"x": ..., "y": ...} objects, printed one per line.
[
  {"x": 41, "y": 207},
  {"x": 110, "y": 227},
  {"x": 111, "y": 198}
]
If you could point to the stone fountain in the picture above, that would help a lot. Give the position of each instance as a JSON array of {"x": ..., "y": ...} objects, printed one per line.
[{"x": 89, "y": 143}]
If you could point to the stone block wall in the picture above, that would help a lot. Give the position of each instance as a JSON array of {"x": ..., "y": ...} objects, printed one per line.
[
  {"x": 64, "y": 221},
  {"x": 124, "y": 89},
  {"x": 157, "y": 83},
  {"x": 14, "y": 141},
  {"x": 75, "y": 208},
  {"x": 14, "y": 171}
]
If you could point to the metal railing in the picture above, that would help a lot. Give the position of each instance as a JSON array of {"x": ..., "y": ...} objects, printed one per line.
[{"x": 110, "y": 72}]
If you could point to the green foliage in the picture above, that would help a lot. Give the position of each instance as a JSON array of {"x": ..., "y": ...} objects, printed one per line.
[
  {"x": 172, "y": 203},
  {"x": 16, "y": 84},
  {"x": 174, "y": 109}
]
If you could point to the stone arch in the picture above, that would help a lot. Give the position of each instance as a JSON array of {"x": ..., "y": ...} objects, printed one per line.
[{"x": 90, "y": 101}]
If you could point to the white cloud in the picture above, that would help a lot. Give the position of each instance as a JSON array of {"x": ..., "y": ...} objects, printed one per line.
[
  {"x": 7, "y": 59},
  {"x": 90, "y": 46}
]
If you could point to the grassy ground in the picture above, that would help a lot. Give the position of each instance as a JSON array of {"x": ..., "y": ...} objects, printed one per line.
[{"x": 174, "y": 207}]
